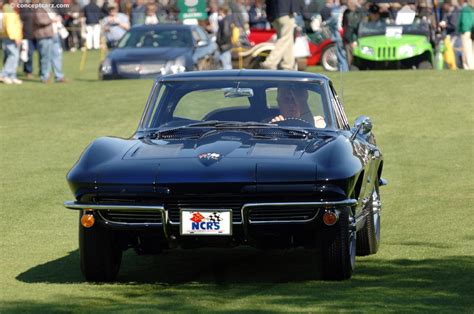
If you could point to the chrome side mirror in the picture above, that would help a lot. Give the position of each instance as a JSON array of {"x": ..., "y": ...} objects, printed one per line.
[{"x": 362, "y": 125}]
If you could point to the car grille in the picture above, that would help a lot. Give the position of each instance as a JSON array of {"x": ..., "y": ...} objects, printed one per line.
[
  {"x": 256, "y": 214},
  {"x": 140, "y": 68},
  {"x": 386, "y": 52},
  {"x": 141, "y": 217},
  {"x": 275, "y": 214}
]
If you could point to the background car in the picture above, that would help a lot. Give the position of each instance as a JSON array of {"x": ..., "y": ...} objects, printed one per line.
[
  {"x": 147, "y": 50},
  {"x": 381, "y": 45},
  {"x": 228, "y": 158}
]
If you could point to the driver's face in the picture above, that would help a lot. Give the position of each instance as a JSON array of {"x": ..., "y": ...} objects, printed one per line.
[{"x": 288, "y": 105}]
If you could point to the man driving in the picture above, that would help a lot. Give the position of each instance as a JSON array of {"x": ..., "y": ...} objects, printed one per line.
[{"x": 293, "y": 104}]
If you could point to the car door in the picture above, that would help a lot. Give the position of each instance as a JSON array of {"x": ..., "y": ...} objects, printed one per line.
[{"x": 362, "y": 149}]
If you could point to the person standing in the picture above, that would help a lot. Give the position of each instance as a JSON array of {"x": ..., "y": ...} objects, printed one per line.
[
  {"x": 224, "y": 37},
  {"x": 466, "y": 28},
  {"x": 281, "y": 14},
  {"x": 138, "y": 12},
  {"x": 151, "y": 18},
  {"x": 26, "y": 15},
  {"x": 92, "y": 15},
  {"x": 74, "y": 26},
  {"x": 13, "y": 35},
  {"x": 240, "y": 15},
  {"x": 115, "y": 25},
  {"x": 43, "y": 34},
  {"x": 257, "y": 15},
  {"x": 350, "y": 21},
  {"x": 57, "y": 49}
]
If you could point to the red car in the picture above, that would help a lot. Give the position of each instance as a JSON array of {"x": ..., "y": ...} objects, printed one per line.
[{"x": 322, "y": 48}]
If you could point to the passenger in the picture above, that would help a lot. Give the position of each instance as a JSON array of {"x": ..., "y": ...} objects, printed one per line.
[{"x": 293, "y": 104}]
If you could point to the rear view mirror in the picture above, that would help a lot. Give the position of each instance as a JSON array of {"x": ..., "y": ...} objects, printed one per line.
[{"x": 238, "y": 92}]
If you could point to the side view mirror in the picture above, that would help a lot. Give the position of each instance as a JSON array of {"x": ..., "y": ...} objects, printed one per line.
[
  {"x": 362, "y": 125},
  {"x": 202, "y": 43}
]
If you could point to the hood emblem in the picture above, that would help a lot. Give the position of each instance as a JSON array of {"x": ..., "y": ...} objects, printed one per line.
[{"x": 210, "y": 156}]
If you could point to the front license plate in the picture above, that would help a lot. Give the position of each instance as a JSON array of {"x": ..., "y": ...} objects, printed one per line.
[{"x": 206, "y": 222}]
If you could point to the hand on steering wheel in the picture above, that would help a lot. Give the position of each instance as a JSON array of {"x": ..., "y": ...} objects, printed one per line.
[{"x": 282, "y": 121}]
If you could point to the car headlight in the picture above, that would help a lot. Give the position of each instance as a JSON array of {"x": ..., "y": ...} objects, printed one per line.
[
  {"x": 174, "y": 66},
  {"x": 106, "y": 67},
  {"x": 367, "y": 50},
  {"x": 407, "y": 50}
]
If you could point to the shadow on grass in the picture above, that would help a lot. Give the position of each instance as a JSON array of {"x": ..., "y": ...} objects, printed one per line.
[
  {"x": 266, "y": 281},
  {"x": 219, "y": 266}
]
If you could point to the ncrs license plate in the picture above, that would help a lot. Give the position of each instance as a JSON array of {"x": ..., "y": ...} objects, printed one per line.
[{"x": 206, "y": 222}]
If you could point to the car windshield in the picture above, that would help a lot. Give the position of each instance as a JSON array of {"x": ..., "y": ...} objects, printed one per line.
[
  {"x": 156, "y": 38},
  {"x": 233, "y": 103},
  {"x": 381, "y": 27}
]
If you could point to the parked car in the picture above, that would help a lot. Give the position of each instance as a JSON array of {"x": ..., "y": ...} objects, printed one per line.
[
  {"x": 383, "y": 45},
  {"x": 228, "y": 158},
  {"x": 147, "y": 50}
]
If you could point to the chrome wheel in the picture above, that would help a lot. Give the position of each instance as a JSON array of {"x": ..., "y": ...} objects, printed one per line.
[
  {"x": 352, "y": 242},
  {"x": 329, "y": 59},
  {"x": 376, "y": 208}
]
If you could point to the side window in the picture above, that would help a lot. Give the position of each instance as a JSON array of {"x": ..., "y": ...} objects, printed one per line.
[{"x": 339, "y": 110}]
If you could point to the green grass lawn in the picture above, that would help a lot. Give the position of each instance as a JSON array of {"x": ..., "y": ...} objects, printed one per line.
[{"x": 424, "y": 124}]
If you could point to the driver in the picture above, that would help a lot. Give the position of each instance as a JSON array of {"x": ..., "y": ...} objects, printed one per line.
[{"x": 293, "y": 104}]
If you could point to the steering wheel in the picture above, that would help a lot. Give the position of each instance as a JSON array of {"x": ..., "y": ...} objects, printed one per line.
[{"x": 293, "y": 122}]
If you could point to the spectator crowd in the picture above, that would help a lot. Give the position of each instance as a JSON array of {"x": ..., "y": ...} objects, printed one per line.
[{"x": 94, "y": 24}]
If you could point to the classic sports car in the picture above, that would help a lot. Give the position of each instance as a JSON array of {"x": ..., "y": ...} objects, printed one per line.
[
  {"x": 227, "y": 158},
  {"x": 147, "y": 50}
]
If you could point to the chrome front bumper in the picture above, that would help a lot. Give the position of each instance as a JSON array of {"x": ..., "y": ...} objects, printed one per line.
[{"x": 245, "y": 221}]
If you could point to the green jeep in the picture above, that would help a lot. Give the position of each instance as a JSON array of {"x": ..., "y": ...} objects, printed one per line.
[{"x": 382, "y": 45}]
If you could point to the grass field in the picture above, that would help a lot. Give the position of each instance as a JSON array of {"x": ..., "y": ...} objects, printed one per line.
[{"x": 424, "y": 124}]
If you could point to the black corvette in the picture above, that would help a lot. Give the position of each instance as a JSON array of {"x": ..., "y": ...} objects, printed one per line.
[
  {"x": 228, "y": 158},
  {"x": 147, "y": 50}
]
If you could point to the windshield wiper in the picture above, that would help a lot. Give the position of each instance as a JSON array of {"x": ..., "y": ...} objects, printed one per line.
[
  {"x": 212, "y": 124},
  {"x": 220, "y": 125}
]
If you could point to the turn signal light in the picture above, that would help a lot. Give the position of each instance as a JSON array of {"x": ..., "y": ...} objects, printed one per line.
[
  {"x": 87, "y": 220},
  {"x": 330, "y": 218}
]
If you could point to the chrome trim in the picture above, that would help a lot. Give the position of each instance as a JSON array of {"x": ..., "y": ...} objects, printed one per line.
[
  {"x": 75, "y": 205},
  {"x": 143, "y": 208},
  {"x": 246, "y": 221},
  {"x": 132, "y": 224},
  {"x": 319, "y": 81}
]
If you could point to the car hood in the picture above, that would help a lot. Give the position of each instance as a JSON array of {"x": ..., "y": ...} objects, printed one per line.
[
  {"x": 225, "y": 160},
  {"x": 141, "y": 54}
]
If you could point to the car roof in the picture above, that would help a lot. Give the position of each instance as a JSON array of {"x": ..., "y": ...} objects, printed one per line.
[
  {"x": 163, "y": 26},
  {"x": 244, "y": 74}
]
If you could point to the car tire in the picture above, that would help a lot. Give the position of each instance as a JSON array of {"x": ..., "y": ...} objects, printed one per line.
[
  {"x": 368, "y": 238},
  {"x": 338, "y": 247},
  {"x": 425, "y": 65},
  {"x": 100, "y": 253},
  {"x": 329, "y": 58}
]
